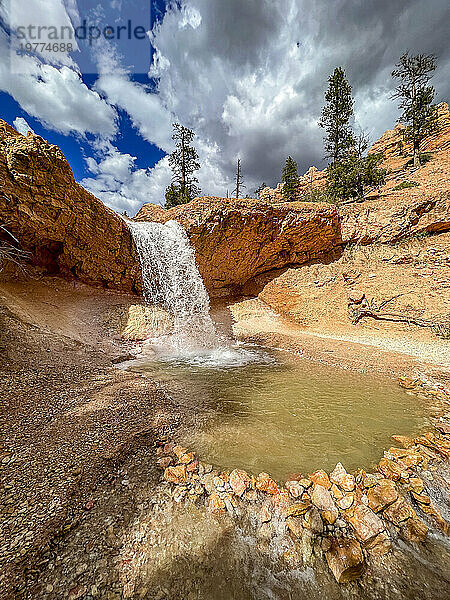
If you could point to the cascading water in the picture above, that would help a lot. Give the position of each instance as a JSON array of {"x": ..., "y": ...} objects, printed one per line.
[{"x": 171, "y": 280}]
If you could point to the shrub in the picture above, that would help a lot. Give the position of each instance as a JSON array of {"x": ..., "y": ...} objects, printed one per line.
[{"x": 406, "y": 184}]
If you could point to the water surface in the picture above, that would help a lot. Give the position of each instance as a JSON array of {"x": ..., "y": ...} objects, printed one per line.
[{"x": 282, "y": 416}]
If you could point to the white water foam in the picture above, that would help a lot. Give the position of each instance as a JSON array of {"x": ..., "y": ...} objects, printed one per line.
[{"x": 171, "y": 281}]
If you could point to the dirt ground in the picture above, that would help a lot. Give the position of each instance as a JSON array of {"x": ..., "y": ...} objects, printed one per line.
[
  {"x": 415, "y": 274},
  {"x": 70, "y": 419}
]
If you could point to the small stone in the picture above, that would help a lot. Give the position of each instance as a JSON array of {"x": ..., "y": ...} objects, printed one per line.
[
  {"x": 298, "y": 509},
  {"x": 168, "y": 447},
  {"x": 229, "y": 504},
  {"x": 295, "y": 488},
  {"x": 399, "y": 511},
  {"x": 346, "y": 502},
  {"x": 176, "y": 474},
  {"x": 264, "y": 483},
  {"x": 345, "y": 559},
  {"x": 369, "y": 481},
  {"x": 306, "y": 483},
  {"x": 390, "y": 469},
  {"x": 420, "y": 498},
  {"x": 208, "y": 482},
  {"x": 239, "y": 481},
  {"x": 320, "y": 477},
  {"x": 382, "y": 495},
  {"x": 49, "y": 588},
  {"x": 215, "y": 503},
  {"x": 164, "y": 462},
  {"x": 340, "y": 477},
  {"x": 89, "y": 505},
  {"x": 336, "y": 492},
  {"x": 192, "y": 466},
  {"x": 322, "y": 499},
  {"x": 186, "y": 458},
  {"x": 365, "y": 522},
  {"x": 179, "y": 451},
  {"x": 416, "y": 485}
]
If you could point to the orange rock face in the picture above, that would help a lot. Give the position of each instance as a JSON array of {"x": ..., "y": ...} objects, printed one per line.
[
  {"x": 264, "y": 483},
  {"x": 66, "y": 229},
  {"x": 235, "y": 240}
]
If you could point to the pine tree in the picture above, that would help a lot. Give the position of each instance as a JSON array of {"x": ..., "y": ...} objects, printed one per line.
[
  {"x": 183, "y": 162},
  {"x": 349, "y": 177},
  {"x": 289, "y": 178},
  {"x": 336, "y": 116},
  {"x": 239, "y": 180},
  {"x": 416, "y": 98}
]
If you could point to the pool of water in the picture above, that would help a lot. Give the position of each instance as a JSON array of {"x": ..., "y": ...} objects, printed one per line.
[{"x": 268, "y": 412}]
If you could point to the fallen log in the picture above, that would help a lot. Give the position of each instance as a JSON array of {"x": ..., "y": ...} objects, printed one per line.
[{"x": 359, "y": 307}]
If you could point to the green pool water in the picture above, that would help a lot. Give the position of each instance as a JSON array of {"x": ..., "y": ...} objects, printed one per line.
[{"x": 282, "y": 416}]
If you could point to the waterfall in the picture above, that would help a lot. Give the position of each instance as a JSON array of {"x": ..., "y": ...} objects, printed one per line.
[{"x": 171, "y": 281}]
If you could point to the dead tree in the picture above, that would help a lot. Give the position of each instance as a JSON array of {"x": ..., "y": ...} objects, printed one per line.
[
  {"x": 239, "y": 180},
  {"x": 359, "y": 307}
]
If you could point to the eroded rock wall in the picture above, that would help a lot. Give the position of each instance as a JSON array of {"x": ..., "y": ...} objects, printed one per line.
[
  {"x": 66, "y": 229},
  {"x": 235, "y": 240}
]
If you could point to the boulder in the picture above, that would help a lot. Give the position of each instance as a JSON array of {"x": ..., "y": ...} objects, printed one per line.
[
  {"x": 323, "y": 500},
  {"x": 382, "y": 495},
  {"x": 345, "y": 559},
  {"x": 365, "y": 522},
  {"x": 235, "y": 240},
  {"x": 265, "y": 483},
  {"x": 344, "y": 480},
  {"x": 239, "y": 481},
  {"x": 321, "y": 478},
  {"x": 176, "y": 474},
  {"x": 67, "y": 231}
]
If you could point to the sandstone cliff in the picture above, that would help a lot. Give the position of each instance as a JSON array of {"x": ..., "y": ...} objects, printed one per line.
[
  {"x": 235, "y": 240},
  {"x": 66, "y": 229}
]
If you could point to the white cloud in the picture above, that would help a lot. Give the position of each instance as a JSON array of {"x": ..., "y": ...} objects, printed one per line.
[
  {"x": 21, "y": 126},
  {"x": 56, "y": 96},
  {"x": 120, "y": 185}
]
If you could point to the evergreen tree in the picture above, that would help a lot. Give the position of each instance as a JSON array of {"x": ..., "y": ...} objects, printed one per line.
[
  {"x": 336, "y": 116},
  {"x": 349, "y": 177},
  {"x": 183, "y": 162},
  {"x": 239, "y": 180},
  {"x": 416, "y": 98},
  {"x": 289, "y": 179}
]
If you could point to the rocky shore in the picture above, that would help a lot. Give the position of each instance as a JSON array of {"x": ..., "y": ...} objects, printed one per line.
[{"x": 342, "y": 516}]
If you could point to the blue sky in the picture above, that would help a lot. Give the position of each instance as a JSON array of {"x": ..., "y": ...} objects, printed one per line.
[
  {"x": 77, "y": 147},
  {"x": 248, "y": 76}
]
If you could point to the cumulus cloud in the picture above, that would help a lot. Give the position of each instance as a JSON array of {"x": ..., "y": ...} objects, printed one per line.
[
  {"x": 249, "y": 77},
  {"x": 120, "y": 185},
  {"x": 22, "y": 126},
  {"x": 56, "y": 96}
]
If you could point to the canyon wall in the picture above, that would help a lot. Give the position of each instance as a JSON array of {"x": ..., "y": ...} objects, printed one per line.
[
  {"x": 235, "y": 240},
  {"x": 67, "y": 230}
]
